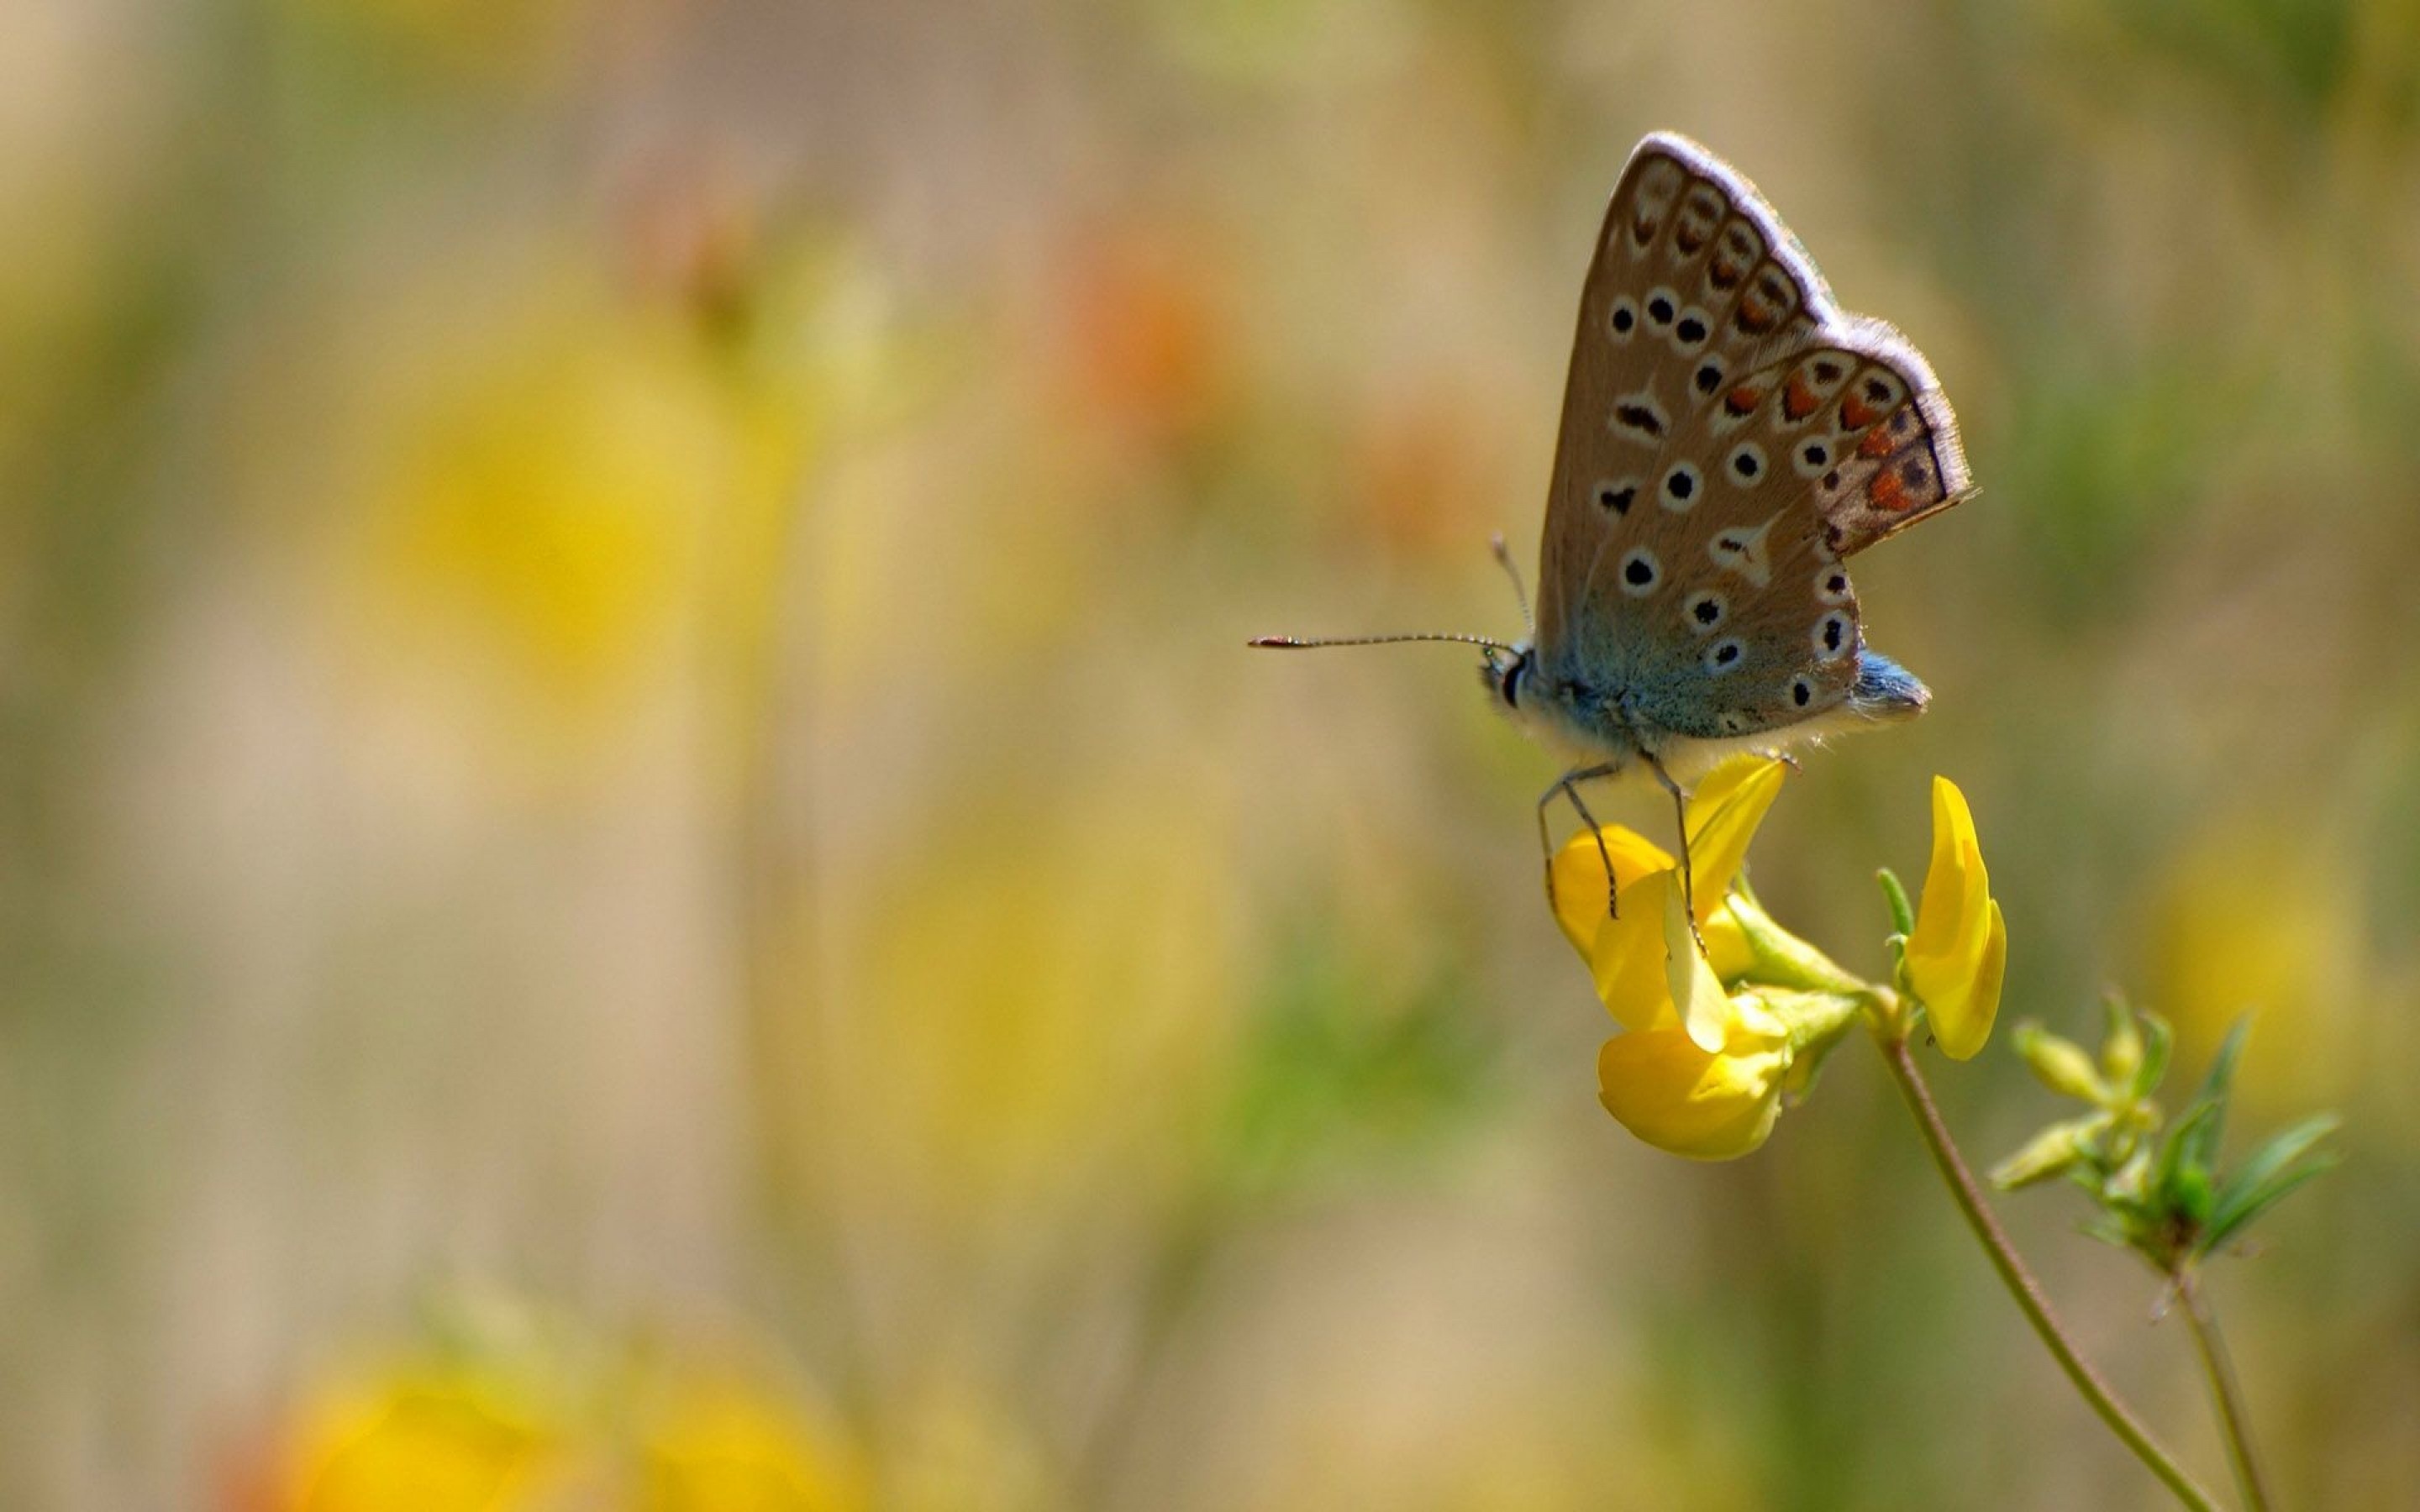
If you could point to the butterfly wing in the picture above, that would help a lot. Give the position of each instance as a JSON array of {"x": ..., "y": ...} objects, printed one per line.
[{"x": 1728, "y": 437}]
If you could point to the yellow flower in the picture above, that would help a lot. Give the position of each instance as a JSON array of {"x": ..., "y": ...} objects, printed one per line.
[
  {"x": 1658, "y": 1078},
  {"x": 523, "y": 1414},
  {"x": 426, "y": 1439},
  {"x": 1699, "y": 1071},
  {"x": 1676, "y": 1097},
  {"x": 711, "y": 1444},
  {"x": 1636, "y": 976},
  {"x": 1958, "y": 952}
]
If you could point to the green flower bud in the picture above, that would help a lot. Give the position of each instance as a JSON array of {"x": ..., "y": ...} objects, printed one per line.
[
  {"x": 2051, "y": 1153},
  {"x": 2121, "y": 1051},
  {"x": 2061, "y": 1064},
  {"x": 2131, "y": 1186}
]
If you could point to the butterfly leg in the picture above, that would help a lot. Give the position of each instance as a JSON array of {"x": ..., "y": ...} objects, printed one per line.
[
  {"x": 1567, "y": 786},
  {"x": 1681, "y": 817}
]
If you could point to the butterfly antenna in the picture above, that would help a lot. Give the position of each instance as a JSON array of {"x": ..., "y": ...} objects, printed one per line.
[
  {"x": 1290, "y": 642},
  {"x": 1520, "y": 594}
]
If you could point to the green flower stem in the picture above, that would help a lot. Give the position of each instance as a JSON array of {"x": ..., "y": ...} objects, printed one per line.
[
  {"x": 2220, "y": 1371},
  {"x": 2020, "y": 1283}
]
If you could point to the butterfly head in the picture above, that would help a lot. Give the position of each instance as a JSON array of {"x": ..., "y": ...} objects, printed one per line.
[{"x": 1508, "y": 673}]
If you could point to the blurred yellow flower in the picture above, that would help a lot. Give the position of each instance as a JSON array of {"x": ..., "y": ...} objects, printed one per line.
[
  {"x": 539, "y": 511},
  {"x": 1959, "y": 950},
  {"x": 2252, "y": 917},
  {"x": 425, "y": 1439},
  {"x": 511, "y": 1427},
  {"x": 722, "y": 1445}
]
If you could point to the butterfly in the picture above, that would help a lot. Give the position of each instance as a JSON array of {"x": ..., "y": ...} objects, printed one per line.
[{"x": 1729, "y": 438}]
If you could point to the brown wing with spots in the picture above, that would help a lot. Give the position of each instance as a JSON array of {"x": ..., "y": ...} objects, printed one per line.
[
  {"x": 1728, "y": 437},
  {"x": 1902, "y": 470},
  {"x": 1695, "y": 281},
  {"x": 1752, "y": 622}
]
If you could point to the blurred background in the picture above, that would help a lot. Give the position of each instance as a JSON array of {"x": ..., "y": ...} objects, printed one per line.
[{"x": 642, "y": 865}]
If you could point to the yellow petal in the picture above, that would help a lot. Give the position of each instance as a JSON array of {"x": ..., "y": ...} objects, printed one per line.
[
  {"x": 1673, "y": 1095},
  {"x": 1628, "y": 956},
  {"x": 1959, "y": 949},
  {"x": 1728, "y": 949},
  {"x": 1723, "y": 816},
  {"x": 1949, "y": 921},
  {"x": 1578, "y": 890},
  {"x": 1961, "y": 1020},
  {"x": 1697, "y": 993}
]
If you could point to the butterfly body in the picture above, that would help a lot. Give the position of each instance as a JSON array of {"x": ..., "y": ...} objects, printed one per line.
[{"x": 1604, "y": 724}]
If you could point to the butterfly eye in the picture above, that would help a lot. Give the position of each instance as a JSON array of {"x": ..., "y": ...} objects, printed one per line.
[
  {"x": 1724, "y": 654},
  {"x": 1831, "y": 637},
  {"x": 1705, "y": 611},
  {"x": 1681, "y": 486},
  {"x": 1802, "y": 692},
  {"x": 1746, "y": 462},
  {"x": 1640, "y": 572}
]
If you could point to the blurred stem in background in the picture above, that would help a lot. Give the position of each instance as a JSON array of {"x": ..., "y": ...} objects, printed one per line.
[{"x": 2228, "y": 1397}]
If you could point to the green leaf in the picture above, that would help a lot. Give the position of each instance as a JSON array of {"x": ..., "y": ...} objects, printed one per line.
[
  {"x": 2189, "y": 1193},
  {"x": 1903, "y": 913},
  {"x": 2282, "y": 1149},
  {"x": 2108, "y": 1230},
  {"x": 2215, "y": 1090},
  {"x": 2267, "y": 1174},
  {"x": 2158, "y": 1041},
  {"x": 2232, "y": 1222},
  {"x": 2181, "y": 1148}
]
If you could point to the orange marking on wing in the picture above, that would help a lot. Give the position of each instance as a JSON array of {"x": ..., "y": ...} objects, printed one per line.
[
  {"x": 1753, "y": 317},
  {"x": 1798, "y": 401},
  {"x": 1855, "y": 414},
  {"x": 1888, "y": 492},
  {"x": 1877, "y": 444},
  {"x": 1744, "y": 398}
]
